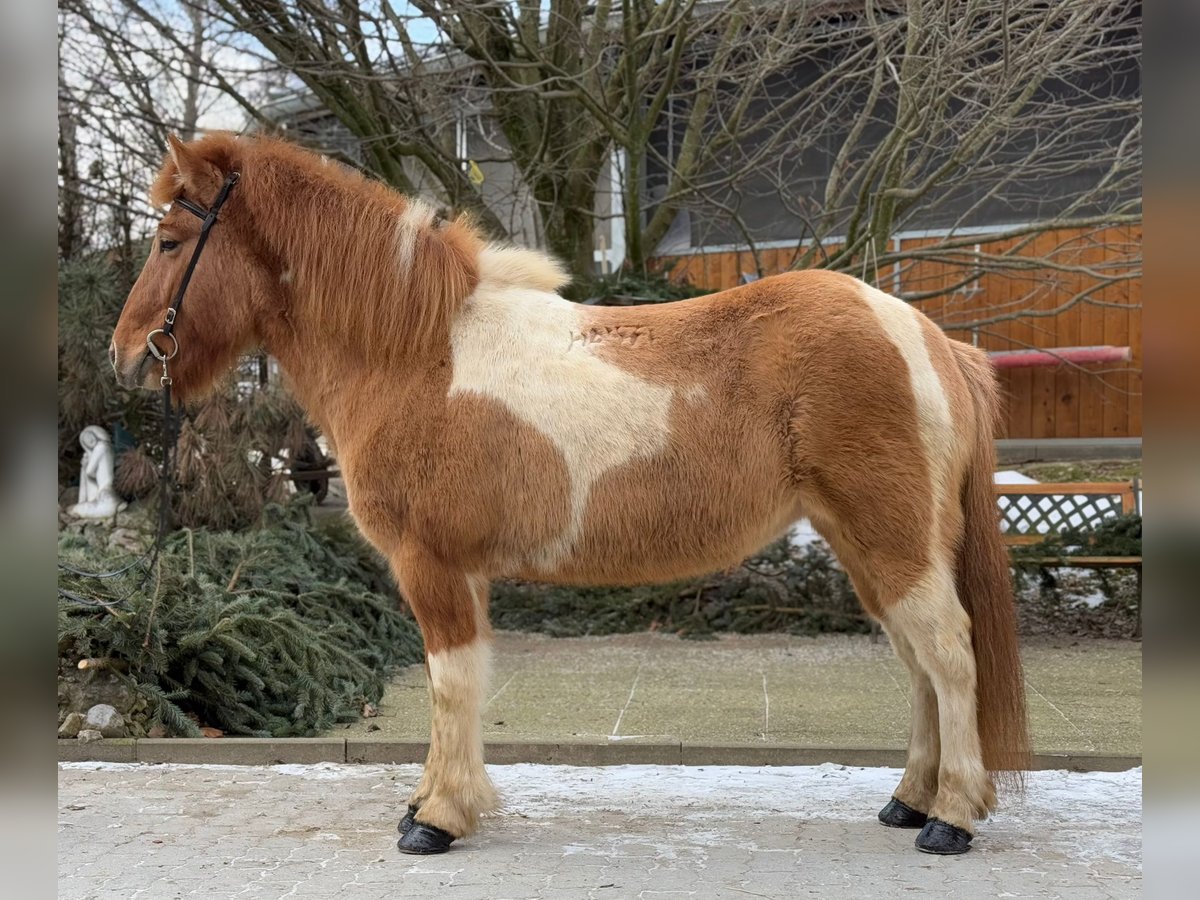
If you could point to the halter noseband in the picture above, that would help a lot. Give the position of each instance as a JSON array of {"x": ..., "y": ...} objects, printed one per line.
[{"x": 208, "y": 218}]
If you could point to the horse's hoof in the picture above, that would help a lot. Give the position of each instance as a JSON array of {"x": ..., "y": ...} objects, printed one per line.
[
  {"x": 943, "y": 838},
  {"x": 407, "y": 822},
  {"x": 900, "y": 815},
  {"x": 424, "y": 840}
]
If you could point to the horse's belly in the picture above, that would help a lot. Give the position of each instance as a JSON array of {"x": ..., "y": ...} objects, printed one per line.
[{"x": 661, "y": 535}]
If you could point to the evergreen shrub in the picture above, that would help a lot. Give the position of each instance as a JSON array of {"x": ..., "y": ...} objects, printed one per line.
[{"x": 280, "y": 630}]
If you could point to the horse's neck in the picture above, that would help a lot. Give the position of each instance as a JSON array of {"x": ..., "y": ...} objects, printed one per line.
[
  {"x": 345, "y": 388},
  {"x": 337, "y": 291}
]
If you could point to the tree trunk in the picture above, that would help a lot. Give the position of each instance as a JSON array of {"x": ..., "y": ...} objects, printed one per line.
[
  {"x": 569, "y": 230},
  {"x": 191, "y": 99},
  {"x": 70, "y": 201}
]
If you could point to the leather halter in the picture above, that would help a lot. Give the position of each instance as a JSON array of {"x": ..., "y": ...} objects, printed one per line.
[{"x": 208, "y": 218}]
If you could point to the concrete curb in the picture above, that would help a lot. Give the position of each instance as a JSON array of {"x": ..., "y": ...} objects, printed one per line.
[
  {"x": 241, "y": 751},
  {"x": 1012, "y": 451},
  {"x": 275, "y": 751}
]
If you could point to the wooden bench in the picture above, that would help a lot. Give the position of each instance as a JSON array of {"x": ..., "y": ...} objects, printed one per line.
[{"x": 1032, "y": 512}]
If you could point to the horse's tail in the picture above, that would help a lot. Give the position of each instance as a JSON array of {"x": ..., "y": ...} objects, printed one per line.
[{"x": 985, "y": 588}]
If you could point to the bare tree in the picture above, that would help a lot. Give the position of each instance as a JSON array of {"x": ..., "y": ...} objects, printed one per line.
[
  {"x": 70, "y": 200},
  {"x": 831, "y": 126},
  {"x": 129, "y": 74},
  {"x": 406, "y": 81},
  {"x": 839, "y": 126}
]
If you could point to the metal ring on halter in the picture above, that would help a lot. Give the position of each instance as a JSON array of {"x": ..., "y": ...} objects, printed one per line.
[{"x": 155, "y": 352}]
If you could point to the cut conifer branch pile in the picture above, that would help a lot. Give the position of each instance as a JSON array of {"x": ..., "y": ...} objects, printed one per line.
[{"x": 279, "y": 631}]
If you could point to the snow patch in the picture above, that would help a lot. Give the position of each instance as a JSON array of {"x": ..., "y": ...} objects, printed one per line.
[
  {"x": 1092, "y": 813},
  {"x": 1010, "y": 477}
]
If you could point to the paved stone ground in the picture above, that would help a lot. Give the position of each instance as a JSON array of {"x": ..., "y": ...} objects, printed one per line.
[
  {"x": 161, "y": 832},
  {"x": 1085, "y": 696}
]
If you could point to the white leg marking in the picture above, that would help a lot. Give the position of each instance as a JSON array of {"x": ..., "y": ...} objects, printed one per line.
[
  {"x": 460, "y": 673},
  {"x": 939, "y": 632},
  {"x": 459, "y": 785}
]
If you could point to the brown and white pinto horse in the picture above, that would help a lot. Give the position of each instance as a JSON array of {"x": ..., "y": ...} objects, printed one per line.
[{"x": 486, "y": 427}]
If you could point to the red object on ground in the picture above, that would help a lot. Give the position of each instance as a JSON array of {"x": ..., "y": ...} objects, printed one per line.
[{"x": 1056, "y": 356}]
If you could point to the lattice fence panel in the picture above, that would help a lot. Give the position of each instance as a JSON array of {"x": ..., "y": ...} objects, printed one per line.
[{"x": 1046, "y": 513}]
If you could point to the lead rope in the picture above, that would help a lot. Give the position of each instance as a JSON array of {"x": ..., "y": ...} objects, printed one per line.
[{"x": 169, "y": 433}]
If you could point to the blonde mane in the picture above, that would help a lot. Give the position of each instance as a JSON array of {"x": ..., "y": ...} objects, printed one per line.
[{"x": 501, "y": 266}]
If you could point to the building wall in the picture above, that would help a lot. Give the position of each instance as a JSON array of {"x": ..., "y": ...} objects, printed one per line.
[{"x": 1060, "y": 402}]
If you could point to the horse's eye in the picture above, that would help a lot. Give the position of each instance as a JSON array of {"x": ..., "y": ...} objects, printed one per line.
[{"x": 166, "y": 245}]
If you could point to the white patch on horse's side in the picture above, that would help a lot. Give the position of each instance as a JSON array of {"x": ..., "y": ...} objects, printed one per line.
[
  {"x": 286, "y": 277},
  {"x": 513, "y": 345},
  {"x": 903, "y": 328},
  {"x": 417, "y": 216}
]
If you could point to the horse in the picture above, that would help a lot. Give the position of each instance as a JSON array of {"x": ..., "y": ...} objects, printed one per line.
[{"x": 488, "y": 428}]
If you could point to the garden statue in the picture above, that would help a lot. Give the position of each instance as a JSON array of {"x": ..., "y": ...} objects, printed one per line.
[{"x": 97, "y": 499}]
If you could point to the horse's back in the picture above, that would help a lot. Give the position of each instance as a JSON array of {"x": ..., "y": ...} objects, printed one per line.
[{"x": 809, "y": 393}]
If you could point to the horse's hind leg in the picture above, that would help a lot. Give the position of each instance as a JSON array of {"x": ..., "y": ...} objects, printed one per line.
[
  {"x": 938, "y": 630},
  {"x": 451, "y": 608},
  {"x": 914, "y": 796}
]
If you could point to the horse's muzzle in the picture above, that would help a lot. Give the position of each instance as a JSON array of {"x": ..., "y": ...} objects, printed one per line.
[{"x": 132, "y": 374}]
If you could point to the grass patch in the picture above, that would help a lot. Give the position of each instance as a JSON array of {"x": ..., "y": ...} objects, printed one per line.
[{"x": 1083, "y": 470}]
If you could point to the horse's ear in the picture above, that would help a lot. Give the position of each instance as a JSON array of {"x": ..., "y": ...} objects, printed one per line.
[{"x": 197, "y": 176}]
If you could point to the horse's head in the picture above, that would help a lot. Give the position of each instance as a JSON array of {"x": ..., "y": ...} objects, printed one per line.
[{"x": 230, "y": 287}]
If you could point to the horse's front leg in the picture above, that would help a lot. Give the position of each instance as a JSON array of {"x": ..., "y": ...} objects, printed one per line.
[{"x": 451, "y": 608}]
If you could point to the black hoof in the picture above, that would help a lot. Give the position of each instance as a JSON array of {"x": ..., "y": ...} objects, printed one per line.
[
  {"x": 407, "y": 822},
  {"x": 943, "y": 838},
  {"x": 423, "y": 840},
  {"x": 900, "y": 815}
]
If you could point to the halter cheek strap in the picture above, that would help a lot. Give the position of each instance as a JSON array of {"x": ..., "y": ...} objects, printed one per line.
[{"x": 208, "y": 219}]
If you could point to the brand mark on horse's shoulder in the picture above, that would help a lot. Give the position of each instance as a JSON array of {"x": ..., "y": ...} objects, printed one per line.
[{"x": 626, "y": 335}]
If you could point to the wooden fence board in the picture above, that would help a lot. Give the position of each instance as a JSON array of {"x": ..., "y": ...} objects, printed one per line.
[{"x": 1062, "y": 402}]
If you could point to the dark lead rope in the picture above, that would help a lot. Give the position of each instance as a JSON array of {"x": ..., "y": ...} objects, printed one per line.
[{"x": 208, "y": 218}]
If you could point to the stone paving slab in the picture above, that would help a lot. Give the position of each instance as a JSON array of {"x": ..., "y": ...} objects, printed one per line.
[
  {"x": 654, "y": 699},
  {"x": 142, "y": 832},
  {"x": 833, "y": 691}
]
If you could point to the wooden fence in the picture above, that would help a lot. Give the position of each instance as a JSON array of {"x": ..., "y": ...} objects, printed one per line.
[{"x": 1061, "y": 402}]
